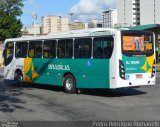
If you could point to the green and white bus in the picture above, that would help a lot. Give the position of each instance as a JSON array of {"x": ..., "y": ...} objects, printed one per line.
[{"x": 91, "y": 58}]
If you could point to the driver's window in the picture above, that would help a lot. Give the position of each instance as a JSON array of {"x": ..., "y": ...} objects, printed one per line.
[{"x": 8, "y": 53}]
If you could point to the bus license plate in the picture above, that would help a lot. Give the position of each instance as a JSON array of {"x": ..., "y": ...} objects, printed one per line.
[{"x": 138, "y": 76}]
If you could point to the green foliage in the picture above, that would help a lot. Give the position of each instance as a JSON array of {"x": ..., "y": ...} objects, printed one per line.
[{"x": 10, "y": 25}]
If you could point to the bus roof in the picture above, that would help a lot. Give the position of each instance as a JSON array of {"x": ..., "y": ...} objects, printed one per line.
[{"x": 70, "y": 34}]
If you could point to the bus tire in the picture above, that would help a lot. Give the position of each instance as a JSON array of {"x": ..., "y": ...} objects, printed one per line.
[
  {"x": 69, "y": 84},
  {"x": 19, "y": 78}
]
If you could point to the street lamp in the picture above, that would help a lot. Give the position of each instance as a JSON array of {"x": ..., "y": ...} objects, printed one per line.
[
  {"x": 71, "y": 14},
  {"x": 71, "y": 22},
  {"x": 34, "y": 17}
]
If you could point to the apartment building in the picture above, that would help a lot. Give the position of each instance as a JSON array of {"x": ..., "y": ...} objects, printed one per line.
[
  {"x": 54, "y": 24},
  {"x": 76, "y": 25},
  {"x": 110, "y": 18},
  {"x": 128, "y": 12},
  {"x": 138, "y": 12},
  {"x": 150, "y": 12}
]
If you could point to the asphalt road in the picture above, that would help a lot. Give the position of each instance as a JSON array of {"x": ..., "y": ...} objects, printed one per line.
[{"x": 47, "y": 103}]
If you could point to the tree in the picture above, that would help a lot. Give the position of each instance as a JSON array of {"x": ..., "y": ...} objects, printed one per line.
[{"x": 10, "y": 25}]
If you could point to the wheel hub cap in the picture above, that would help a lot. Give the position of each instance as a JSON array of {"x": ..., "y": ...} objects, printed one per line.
[{"x": 69, "y": 84}]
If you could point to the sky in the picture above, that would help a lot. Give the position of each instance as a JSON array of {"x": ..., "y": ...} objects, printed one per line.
[{"x": 83, "y": 10}]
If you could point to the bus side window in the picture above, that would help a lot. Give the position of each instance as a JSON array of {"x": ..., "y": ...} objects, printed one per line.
[
  {"x": 24, "y": 49},
  {"x": 103, "y": 47},
  {"x": 21, "y": 49},
  {"x": 83, "y": 48},
  {"x": 38, "y": 53},
  {"x": 49, "y": 49},
  {"x": 46, "y": 49},
  {"x": 65, "y": 48},
  {"x": 18, "y": 50},
  {"x": 35, "y": 49},
  {"x": 69, "y": 48},
  {"x": 98, "y": 53},
  {"x": 107, "y": 52},
  {"x": 46, "y": 54},
  {"x": 31, "y": 52},
  {"x": 61, "y": 49}
]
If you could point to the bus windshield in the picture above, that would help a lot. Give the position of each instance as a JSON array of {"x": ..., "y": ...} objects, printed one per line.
[
  {"x": 137, "y": 43},
  {"x": 8, "y": 53}
]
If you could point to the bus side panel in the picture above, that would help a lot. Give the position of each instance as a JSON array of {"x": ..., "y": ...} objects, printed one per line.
[
  {"x": 79, "y": 68},
  {"x": 43, "y": 71},
  {"x": 88, "y": 73},
  {"x": 91, "y": 73},
  {"x": 99, "y": 74}
]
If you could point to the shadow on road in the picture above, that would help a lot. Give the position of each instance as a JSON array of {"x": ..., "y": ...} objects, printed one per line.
[
  {"x": 46, "y": 87},
  {"x": 10, "y": 99},
  {"x": 113, "y": 93},
  {"x": 10, "y": 94},
  {"x": 93, "y": 92}
]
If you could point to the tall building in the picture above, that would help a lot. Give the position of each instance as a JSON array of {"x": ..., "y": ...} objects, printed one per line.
[
  {"x": 150, "y": 12},
  {"x": 54, "y": 24},
  {"x": 128, "y": 12},
  {"x": 138, "y": 12},
  {"x": 110, "y": 18}
]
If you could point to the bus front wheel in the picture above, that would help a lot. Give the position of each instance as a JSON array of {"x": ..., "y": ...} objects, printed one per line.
[
  {"x": 69, "y": 84},
  {"x": 19, "y": 78}
]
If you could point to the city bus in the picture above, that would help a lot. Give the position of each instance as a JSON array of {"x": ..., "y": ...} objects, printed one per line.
[{"x": 99, "y": 58}]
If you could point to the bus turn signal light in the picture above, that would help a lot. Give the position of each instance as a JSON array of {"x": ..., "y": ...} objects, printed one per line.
[
  {"x": 153, "y": 70},
  {"x": 121, "y": 69}
]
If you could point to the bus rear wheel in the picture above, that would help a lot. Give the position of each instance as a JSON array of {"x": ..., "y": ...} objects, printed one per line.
[
  {"x": 19, "y": 78},
  {"x": 69, "y": 84}
]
